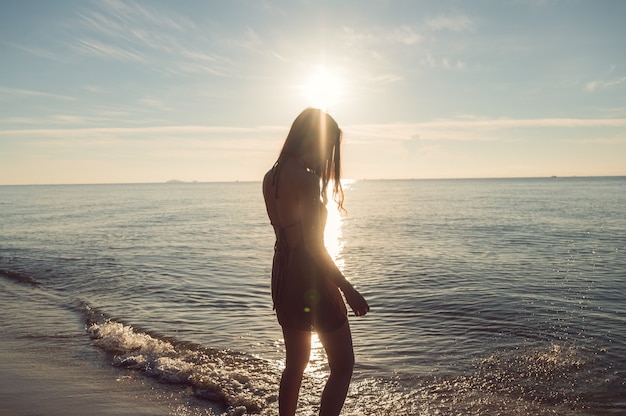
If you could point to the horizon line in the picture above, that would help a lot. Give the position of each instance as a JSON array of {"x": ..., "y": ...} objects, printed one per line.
[{"x": 181, "y": 182}]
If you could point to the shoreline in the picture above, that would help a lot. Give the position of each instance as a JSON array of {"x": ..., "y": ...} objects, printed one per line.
[
  {"x": 33, "y": 383},
  {"x": 48, "y": 367}
]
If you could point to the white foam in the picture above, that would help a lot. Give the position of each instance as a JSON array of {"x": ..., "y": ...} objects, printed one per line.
[
  {"x": 116, "y": 337},
  {"x": 241, "y": 383}
]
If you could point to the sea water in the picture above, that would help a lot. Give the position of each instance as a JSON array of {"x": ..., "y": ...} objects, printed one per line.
[{"x": 488, "y": 297}]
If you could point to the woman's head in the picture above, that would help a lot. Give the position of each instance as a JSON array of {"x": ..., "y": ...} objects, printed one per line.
[{"x": 316, "y": 138}]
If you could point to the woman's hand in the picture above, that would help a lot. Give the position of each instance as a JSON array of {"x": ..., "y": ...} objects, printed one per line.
[{"x": 357, "y": 302}]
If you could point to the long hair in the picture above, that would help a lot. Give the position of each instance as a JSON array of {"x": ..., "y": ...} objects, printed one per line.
[{"x": 316, "y": 131}]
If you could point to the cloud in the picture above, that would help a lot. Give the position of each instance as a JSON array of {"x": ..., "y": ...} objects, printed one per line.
[
  {"x": 406, "y": 35},
  {"x": 154, "y": 103},
  {"x": 24, "y": 93},
  {"x": 141, "y": 131},
  {"x": 416, "y": 147},
  {"x": 534, "y": 122},
  {"x": 132, "y": 12},
  {"x": 593, "y": 86},
  {"x": 35, "y": 51},
  {"x": 68, "y": 119},
  {"x": 19, "y": 120},
  {"x": 94, "y": 89},
  {"x": 443, "y": 62},
  {"x": 384, "y": 79},
  {"x": 468, "y": 128},
  {"x": 249, "y": 40},
  {"x": 163, "y": 40},
  {"x": 599, "y": 140},
  {"x": 379, "y": 36},
  {"x": 99, "y": 49},
  {"x": 457, "y": 23},
  {"x": 387, "y": 131}
]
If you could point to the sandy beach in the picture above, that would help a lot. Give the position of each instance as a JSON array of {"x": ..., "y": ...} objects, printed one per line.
[
  {"x": 48, "y": 367},
  {"x": 32, "y": 384}
]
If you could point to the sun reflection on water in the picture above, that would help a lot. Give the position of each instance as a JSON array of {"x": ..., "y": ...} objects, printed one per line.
[
  {"x": 317, "y": 359},
  {"x": 333, "y": 233}
]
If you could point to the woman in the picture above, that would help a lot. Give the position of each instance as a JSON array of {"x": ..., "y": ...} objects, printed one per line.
[{"x": 306, "y": 283}]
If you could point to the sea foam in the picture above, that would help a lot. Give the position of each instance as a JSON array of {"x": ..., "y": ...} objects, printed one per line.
[{"x": 219, "y": 376}]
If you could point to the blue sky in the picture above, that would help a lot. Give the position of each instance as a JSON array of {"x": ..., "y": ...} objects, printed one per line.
[{"x": 148, "y": 91}]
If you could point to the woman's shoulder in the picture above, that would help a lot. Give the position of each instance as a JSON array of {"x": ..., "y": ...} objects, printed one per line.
[
  {"x": 268, "y": 176},
  {"x": 267, "y": 180}
]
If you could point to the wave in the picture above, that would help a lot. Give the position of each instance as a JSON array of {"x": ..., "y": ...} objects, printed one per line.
[
  {"x": 19, "y": 277},
  {"x": 540, "y": 377},
  {"x": 239, "y": 382},
  {"x": 536, "y": 380}
]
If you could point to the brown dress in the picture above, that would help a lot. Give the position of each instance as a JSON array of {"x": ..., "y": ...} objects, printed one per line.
[{"x": 304, "y": 299}]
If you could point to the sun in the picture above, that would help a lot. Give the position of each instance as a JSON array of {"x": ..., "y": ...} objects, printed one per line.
[{"x": 323, "y": 89}]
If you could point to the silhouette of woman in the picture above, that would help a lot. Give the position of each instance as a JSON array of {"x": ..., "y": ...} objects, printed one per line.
[{"x": 306, "y": 283}]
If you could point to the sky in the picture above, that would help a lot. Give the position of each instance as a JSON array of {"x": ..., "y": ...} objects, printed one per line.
[{"x": 116, "y": 91}]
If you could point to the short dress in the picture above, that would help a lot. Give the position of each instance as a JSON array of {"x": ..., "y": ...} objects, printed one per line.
[{"x": 304, "y": 299}]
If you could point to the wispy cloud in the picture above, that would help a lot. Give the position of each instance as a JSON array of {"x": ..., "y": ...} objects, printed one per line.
[
  {"x": 19, "y": 120},
  {"x": 456, "y": 23},
  {"x": 469, "y": 128},
  {"x": 449, "y": 129},
  {"x": 100, "y": 49},
  {"x": 606, "y": 81},
  {"x": 385, "y": 44},
  {"x": 68, "y": 119},
  {"x": 128, "y": 11},
  {"x": 94, "y": 89},
  {"x": 384, "y": 79},
  {"x": 154, "y": 103},
  {"x": 599, "y": 140},
  {"x": 377, "y": 46},
  {"x": 444, "y": 62},
  {"x": 163, "y": 40},
  {"x": 533, "y": 122},
  {"x": 249, "y": 39},
  {"x": 380, "y": 36},
  {"x": 58, "y": 119},
  {"x": 141, "y": 131},
  {"x": 593, "y": 86},
  {"x": 35, "y": 51},
  {"x": 24, "y": 93},
  {"x": 405, "y": 34},
  {"x": 416, "y": 147}
]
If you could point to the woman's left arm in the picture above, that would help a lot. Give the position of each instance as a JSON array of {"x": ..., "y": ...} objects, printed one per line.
[{"x": 313, "y": 237}]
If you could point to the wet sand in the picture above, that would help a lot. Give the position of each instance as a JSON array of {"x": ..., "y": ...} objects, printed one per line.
[
  {"x": 48, "y": 367},
  {"x": 31, "y": 384}
]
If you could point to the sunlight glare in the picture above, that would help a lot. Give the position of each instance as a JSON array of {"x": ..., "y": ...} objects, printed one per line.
[
  {"x": 333, "y": 233},
  {"x": 323, "y": 89},
  {"x": 317, "y": 358}
]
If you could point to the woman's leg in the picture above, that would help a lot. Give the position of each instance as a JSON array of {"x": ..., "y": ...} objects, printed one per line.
[
  {"x": 298, "y": 349},
  {"x": 338, "y": 346}
]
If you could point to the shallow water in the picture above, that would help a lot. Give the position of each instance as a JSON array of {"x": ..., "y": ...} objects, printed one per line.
[{"x": 499, "y": 296}]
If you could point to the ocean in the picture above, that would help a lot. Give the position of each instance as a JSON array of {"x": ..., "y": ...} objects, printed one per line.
[{"x": 488, "y": 296}]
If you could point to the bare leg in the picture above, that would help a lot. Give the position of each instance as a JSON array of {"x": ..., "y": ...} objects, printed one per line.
[
  {"x": 338, "y": 346},
  {"x": 298, "y": 349}
]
